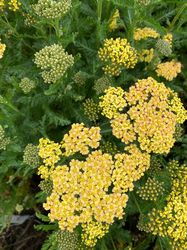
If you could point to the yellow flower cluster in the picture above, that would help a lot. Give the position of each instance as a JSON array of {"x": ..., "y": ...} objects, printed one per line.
[
  {"x": 2, "y": 4},
  {"x": 129, "y": 167},
  {"x": 168, "y": 38},
  {"x": 80, "y": 193},
  {"x": 171, "y": 221},
  {"x": 169, "y": 70},
  {"x": 93, "y": 231},
  {"x": 14, "y": 5},
  {"x": 151, "y": 190},
  {"x": 117, "y": 54},
  {"x": 152, "y": 112},
  {"x": 144, "y": 33},
  {"x": 123, "y": 129},
  {"x": 146, "y": 55},
  {"x": 112, "y": 102},
  {"x": 49, "y": 151},
  {"x": 112, "y": 23},
  {"x": 91, "y": 109},
  {"x": 2, "y": 49},
  {"x": 80, "y": 138},
  {"x": 177, "y": 107}
]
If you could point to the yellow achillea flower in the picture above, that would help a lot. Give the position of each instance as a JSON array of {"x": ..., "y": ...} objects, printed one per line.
[
  {"x": 117, "y": 54},
  {"x": 129, "y": 167},
  {"x": 171, "y": 221},
  {"x": 152, "y": 112},
  {"x": 80, "y": 138},
  {"x": 93, "y": 231},
  {"x": 123, "y": 129},
  {"x": 169, "y": 70},
  {"x": 168, "y": 38},
  {"x": 14, "y": 5},
  {"x": 2, "y": 4},
  {"x": 112, "y": 24},
  {"x": 2, "y": 49},
  {"x": 49, "y": 151},
  {"x": 80, "y": 193},
  {"x": 112, "y": 102},
  {"x": 144, "y": 33},
  {"x": 146, "y": 55}
]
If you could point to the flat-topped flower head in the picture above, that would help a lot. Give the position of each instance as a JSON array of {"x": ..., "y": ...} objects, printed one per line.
[
  {"x": 169, "y": 70},
  {"x": 147, "y": 114},
  {"x": 81, "y": 139},
  {"x": 145, "y": 33},
  {"x": 2, "y": 49},
  {"x": 117, "y": 54}
]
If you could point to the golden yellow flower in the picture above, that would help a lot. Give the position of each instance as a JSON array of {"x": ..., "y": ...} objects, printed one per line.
[
  {"x": 144, "y": 33},
  {"x": 169, "y": 70},
  {"x": 2, "y": 49},
  {"x": 80, "y": 139},
  {"x": 112, "y": 23},
  {"x": 14, "y": 5},
  {"x": 112, "y": 102},
  {"x": 117, "y": 54},
  {"x": 146, "y": 55}
]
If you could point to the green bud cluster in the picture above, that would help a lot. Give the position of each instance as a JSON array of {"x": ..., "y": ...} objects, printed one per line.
[
  {"x": 26, "y": 85},
  {"x": 52, "y": 9},
  {"x": 176, "y": 170},
  {"x": 101, "y": 84},
  {"x": 151, "y": 190},
  {"x": 80, "y": 78},
  {"x": 67, "y": 240},
  {"x": 163, "y": 47},
  {"x": 2, "y": 100},
  {"x": 155, "y": 165},
  {"x": 179, "y": 132},
  {"x": 91, "y": 110},
  {"x": 30, "y": 156},
  {"x": 4, "y": 141},
  {"x": 54, "y": 62},
  {"x": 143, "y": 2},
  {"x": 46, "y": 186},
  {"x": 109, "y": 148},
  {"x": 29, "y": 19}
]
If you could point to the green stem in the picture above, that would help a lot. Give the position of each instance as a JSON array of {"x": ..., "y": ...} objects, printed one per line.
[
  {"x": 99, "y": 14},
  {"x": 177, "y": 16},
  {"x": 139, "y": 209},
  {"x": 113, "y": 244}
]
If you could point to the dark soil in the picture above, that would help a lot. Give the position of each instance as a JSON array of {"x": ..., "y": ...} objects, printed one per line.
[{"x": 22, "y": 237}]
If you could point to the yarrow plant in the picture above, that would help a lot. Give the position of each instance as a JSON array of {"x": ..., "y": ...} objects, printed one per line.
[{"x": 92, "y": 114}]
